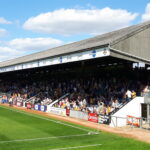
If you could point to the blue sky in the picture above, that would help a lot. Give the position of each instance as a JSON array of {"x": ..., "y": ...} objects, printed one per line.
[{"x": 28, "y": 26}]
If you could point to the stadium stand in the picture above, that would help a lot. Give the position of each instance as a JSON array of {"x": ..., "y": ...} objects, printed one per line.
[{"x": 102, "y": 74}]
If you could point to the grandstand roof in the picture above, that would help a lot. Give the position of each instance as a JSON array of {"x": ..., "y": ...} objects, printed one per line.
[{"x": 107, "y": 39}]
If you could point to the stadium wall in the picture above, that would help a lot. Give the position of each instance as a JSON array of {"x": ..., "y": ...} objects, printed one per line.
[{"x": 133, "y": 108}]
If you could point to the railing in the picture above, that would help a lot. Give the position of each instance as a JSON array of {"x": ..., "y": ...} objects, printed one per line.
[
  {"x": 147, "y": 97},
  {"x": 119, "y": 107},
  {"x": 130, "y": 121},
  {"x": 62, "y": 97},
  {"x": 31, "y": 98},
  {"x": 145, "y": 123},
  {"x": 118, "y": 121}
]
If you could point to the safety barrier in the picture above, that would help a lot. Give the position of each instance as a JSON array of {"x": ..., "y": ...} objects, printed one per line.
[
  {"x": 19, "y": 104},
  {"x": 135, "y": 121},
  {"x": 3, "y": 101},
  {"x": 57, "y": 111},
  {"x": 93, "y": 117},
  {"x": 40, "y": 108},
  {"x": 79, "y": 114},
  {"x": 104, "y": 119},
  {"x": 28, "y": 105},
  {"x": 145, "y": 123}
]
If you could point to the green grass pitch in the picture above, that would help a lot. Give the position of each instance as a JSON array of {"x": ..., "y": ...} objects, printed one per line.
[{"x": 20, "y": 130}]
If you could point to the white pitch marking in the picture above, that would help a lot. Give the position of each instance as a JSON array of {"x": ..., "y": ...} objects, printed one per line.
[
  {"x": 43, "y": 138},
  {"x": 59, "y": 122},
  {"x": 77, "y": 147}
]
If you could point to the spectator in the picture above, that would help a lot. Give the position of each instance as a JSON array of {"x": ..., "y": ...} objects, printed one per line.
[
  {"x": 128, "y": 95},
  {"x": 133, "y": 94}
]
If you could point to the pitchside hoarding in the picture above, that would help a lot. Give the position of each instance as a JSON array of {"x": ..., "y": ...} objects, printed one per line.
[
  {"x": 57, "y": 111},
  {"x": 40, "y": 107},
  {"x": 93, "y": 117}
]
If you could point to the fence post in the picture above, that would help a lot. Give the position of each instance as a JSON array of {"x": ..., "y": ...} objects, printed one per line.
[
  {"x": 141, "y": 120},
  {"x": 148, "y": 113},
  {"x": 116, "y": 121},
  {"x": 132, "y": 123}
]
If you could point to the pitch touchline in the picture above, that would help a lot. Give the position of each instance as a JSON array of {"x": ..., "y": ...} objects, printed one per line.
[
  {"x": 44, "y": 138},
  {"x": 77, "y": 147},
  {"x": 59, "y": 122}
]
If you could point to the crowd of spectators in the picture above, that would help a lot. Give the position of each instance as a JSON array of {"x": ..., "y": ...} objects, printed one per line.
[
  {"x": 100, "y": 107},
  {"x": 100, "y": 94}
]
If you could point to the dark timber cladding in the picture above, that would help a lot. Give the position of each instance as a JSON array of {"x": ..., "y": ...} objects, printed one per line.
[{"x": 131, "y": 43}]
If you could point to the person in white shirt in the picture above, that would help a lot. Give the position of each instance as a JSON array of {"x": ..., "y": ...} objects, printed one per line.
[
  {"x": 10, "y": 101},
  {"x": 128, "y": 94}
]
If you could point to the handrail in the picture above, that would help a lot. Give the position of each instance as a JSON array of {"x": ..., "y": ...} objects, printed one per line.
[
  {"x": 32, "y": 97},
  {"x": 117, "y": 109},
  {"x": 59, "y": 99}
]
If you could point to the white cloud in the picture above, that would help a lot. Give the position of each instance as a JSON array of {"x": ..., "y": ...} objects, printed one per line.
[
  {"x": 23, "y": 46},
  {"x": 8, "y": 53},
  {"x": 4, "y": 21},
  {"x": 77, "y": 21},
  {"x": 3, "y": 32},
  {"x": 36, "y": 44},
  {"x": 146, "y": 15}
]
